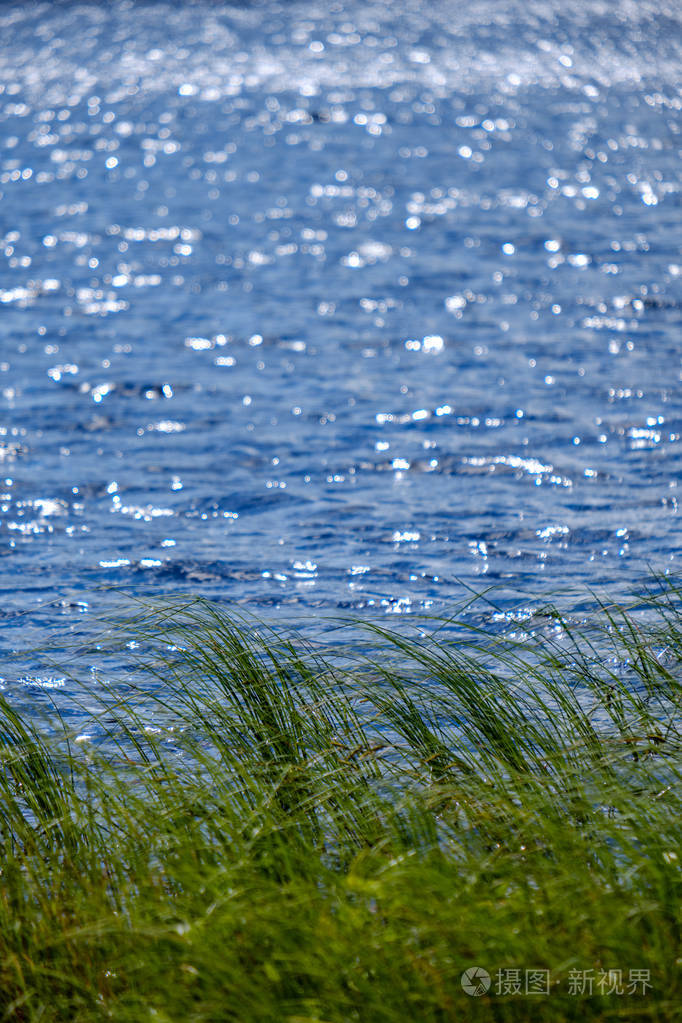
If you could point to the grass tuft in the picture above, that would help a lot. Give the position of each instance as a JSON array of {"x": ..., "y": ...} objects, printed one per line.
[{"x": 267, "y": 831}]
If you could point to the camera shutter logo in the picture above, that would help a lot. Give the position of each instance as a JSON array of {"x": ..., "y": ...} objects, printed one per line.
[{"x": 475, "y": 981}]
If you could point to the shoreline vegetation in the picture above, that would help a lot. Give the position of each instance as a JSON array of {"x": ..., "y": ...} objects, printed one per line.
[{"x": 297, "y": 835}]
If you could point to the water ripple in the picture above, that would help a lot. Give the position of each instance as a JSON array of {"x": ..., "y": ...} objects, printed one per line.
[{"x": 318, "y": 308}]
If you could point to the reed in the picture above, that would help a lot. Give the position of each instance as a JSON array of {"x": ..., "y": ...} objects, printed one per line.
[{"x": 266, "y": 830}]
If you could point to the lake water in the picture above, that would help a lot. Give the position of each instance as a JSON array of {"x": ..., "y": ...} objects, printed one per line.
[{"x": 335, "y": 307}]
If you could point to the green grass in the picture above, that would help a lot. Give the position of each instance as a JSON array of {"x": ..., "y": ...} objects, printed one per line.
[{"x": 297, "y": 835}]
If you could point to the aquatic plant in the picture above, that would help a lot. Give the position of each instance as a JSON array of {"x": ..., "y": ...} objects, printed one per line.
[{"x": 263, "y": 829}]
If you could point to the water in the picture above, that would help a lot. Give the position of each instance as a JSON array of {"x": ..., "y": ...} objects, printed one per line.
[{"x": 325, "y": 307}]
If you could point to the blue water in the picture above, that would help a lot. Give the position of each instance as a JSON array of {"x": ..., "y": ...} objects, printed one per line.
[{"x": 341, "y": 306}]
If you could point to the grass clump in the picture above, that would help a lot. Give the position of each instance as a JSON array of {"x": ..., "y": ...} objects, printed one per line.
[{"x": 265, "y": 832}]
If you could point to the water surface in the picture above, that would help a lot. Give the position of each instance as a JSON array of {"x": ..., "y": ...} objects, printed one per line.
[{"x": 325, "y": 307}]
